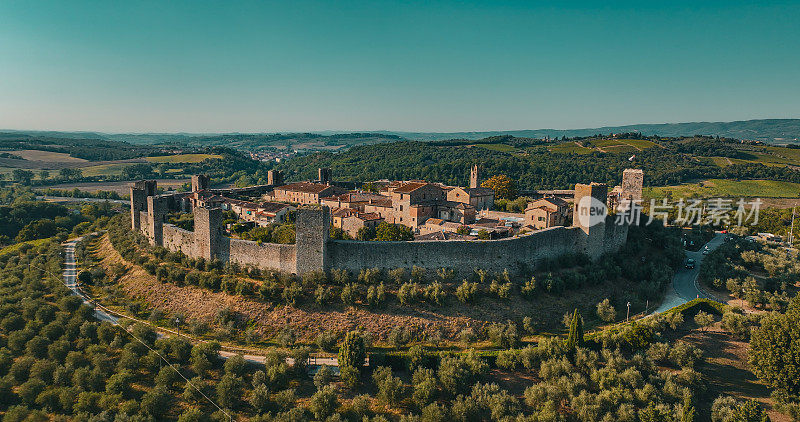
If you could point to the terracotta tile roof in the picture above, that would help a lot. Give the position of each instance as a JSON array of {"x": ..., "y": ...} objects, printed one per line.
[
  {"x": 410, "y": 187},
  {"x": 343, "y": 212},
  {"x": 383, "y": 203},
  {"x": 479, "y": 191},
  {"x": 550, "y": 203},
  {"x": 272, "y": 207},
  {"x": 355, "y": 197},
  {"x": 305, "y": 187},
  {"x": 369, "y": 216}
]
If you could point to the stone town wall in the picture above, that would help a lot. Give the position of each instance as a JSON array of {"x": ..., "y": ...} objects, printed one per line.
[
  {"x": 495, "y": 255},
  {"x": 178, "y": 239},
  {"x": 315, "y": 251},
  {"x": 265, "y": 255}
]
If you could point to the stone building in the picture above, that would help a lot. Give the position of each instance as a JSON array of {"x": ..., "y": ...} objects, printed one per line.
[
  {"x": 629, "y": 191},
  {"x": 352, "y": 200},
  {"x": 306, "y": 193},
  {"x": 351, "y": 220},
  {"x": 547, "y": 212},
  {"x": 592, "y": 233},
  {"x": 478, "y": 198}
]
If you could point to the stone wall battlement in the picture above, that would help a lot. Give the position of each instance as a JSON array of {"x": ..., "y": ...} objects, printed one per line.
[{"x": 314, "y": 251}]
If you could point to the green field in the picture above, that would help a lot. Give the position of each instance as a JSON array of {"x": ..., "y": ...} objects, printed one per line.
[
  {"x": 637, "y": 144},
  {"x": 186, "y": 158},
  {"x": 498, "y": 147},
  {"x": 716, "y": 188},
  {"x": 105, "y": 170},
  {"x": 570, "y": 148},
  {"x": 37, "y": 155},
  {"x": 613, "y": 146}
]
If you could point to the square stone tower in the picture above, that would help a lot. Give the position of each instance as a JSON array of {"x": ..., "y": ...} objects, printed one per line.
[
  {"x": 473, "y": 177},
  {"x": 155, "y": 220},
  {"x": 312, "y": 231},
  {"x": 589, "y": 214},
  {"x": 632, "y": 181},
  {"x": 325, "y": 175},
  {"x": 275, "y": 177},
  {"x": 200, "y": 182},
  {"x": 207, "y": 231},
  {"x": 139, "y": 193}
]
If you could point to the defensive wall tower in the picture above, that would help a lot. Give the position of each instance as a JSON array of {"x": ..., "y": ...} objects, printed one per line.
[
  {"x": 313, "y": 250},
  {"x": 200, "y": 182},
  {"x": 139, "y": 193},
  {"x": 275, "y": 177},
  {"x": 311, "y": 239},
  {"x": 589, "y": 215},
  {"x": 207, "y": 232},
  {"x": 325, "y": 175},
  {"x": 632, "y": 182}
]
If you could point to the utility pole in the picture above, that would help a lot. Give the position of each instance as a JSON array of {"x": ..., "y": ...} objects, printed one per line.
[
  {"x": 628, "y": 316},
  {"x": 791, "y": 229}
]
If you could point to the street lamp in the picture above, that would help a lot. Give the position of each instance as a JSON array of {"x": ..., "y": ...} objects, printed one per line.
[{"x": 628, "y": 317}]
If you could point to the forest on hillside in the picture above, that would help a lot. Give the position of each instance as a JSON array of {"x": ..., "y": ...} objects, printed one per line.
[{"x": 534, "y": 167}]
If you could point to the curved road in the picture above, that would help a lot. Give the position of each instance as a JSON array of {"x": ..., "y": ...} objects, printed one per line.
[
  {"x": 71, "y": 280},
  {"x": 684, "y": 283},
  {"x": 70, "y": 276}
]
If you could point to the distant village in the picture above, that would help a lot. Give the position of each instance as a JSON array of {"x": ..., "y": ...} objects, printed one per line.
[{"x": 433, "y": 211}]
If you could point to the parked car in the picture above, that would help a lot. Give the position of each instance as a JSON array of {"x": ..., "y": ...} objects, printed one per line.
[{"x": 690, "y": 264}]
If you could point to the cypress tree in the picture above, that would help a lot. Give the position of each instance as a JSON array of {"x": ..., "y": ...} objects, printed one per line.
[
  {"x": 352, "y": 352},
  {"x": 575, "y": 337}
]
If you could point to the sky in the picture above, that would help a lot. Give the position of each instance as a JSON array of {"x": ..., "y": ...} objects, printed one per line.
[{"x": 264, "y": 66}]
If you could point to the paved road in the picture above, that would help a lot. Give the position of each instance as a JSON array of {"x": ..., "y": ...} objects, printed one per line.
[
  {"x": 70, "y": 276},
  {"x": 684, "y": 283},
  {"x": 71, "y": 280},
  {"x": 71, "y": 199}
]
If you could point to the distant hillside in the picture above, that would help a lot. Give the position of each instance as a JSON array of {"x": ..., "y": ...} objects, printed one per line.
[{"x": 767, "y": 130}]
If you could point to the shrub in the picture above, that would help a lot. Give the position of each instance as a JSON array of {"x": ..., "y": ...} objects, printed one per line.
[
  {"x": 236, "y": 366},
  {"x": 408, "y": 293},
  {"x": 326, "y": 340},
  {"x": 376, "y": 295},
  {"x": 530, "y": 288},
  {"x": 323, "y": 377},
  {"x": 434, "y": 293},
  {"x": 349, "y": 294},
  {"x": 389, "y": 386},
  {"x": 292, "y": 294},
  {"x": 501, "y": 290},
  {"x": 425, "y": 387},
  {"x": 467, "y": 292},
  {"x": 229, "y": 391},
  {"x": 605, "y": 311},
  {"x": 324, "y": 402},
  {"x": 321, "y": 295}
]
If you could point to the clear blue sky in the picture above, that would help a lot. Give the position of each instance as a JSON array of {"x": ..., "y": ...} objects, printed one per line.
[{"x": 202, "y": 66}]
